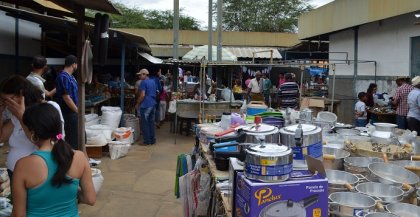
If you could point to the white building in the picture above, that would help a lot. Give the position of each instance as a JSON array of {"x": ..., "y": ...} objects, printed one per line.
[{"x": 379, "y": 38}]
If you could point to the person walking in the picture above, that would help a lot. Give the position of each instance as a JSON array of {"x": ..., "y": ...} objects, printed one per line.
[
  {"x": 413, "y": 99},
  {"x": 146, "y": 107},
  {"x": 39, "y": 65},
  {"x": 46, "y": 183},
  {"x": 67, "y": 97},
  {"x": 400, "y": 100},
  {"x": 288, "y": 93},
  {"x": 255, "y": 88}
]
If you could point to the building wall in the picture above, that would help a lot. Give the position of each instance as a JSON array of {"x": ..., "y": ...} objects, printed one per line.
[{"x": 29, "y": 44}]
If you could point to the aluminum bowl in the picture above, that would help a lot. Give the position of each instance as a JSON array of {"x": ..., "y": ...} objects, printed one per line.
[
  {"x": 380, "y": 214},
  {"x": 338, "y": 158},
  {"x": 337, "y": 180},
  {"x": 413, "y": 166},
  {"x": 392, "y": 174},
  {"x": 348, "y": 203},
  {"x": 403, "y": 209},
  {"x": 359, "y": 165},
  {"x": 387, "y": 193}
]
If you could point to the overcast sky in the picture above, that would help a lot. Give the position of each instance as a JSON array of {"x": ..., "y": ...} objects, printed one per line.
[{"x": 194, "y": 8}]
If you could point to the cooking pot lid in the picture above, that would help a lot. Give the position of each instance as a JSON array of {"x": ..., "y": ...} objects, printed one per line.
[
  {"x": 282, "y": 209},
  {"x": 269, "y": 148},
  {"x": 262, "y": 128},
  {"x": 305, "y": 128}
]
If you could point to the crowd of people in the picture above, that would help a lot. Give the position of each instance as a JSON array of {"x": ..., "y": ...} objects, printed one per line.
[
  {"x": 48, "y": 174},
  {"x": 406, "y": 100}
]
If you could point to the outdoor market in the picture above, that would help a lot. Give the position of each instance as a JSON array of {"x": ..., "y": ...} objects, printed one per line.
[{"x": 127, "y": 108}]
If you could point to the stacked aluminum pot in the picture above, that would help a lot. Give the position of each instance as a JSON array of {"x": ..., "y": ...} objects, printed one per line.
[{"x": 304, "y": 139}]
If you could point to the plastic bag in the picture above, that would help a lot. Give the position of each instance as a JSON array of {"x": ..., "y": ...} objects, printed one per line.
[
  {"x": 172, "y": 106},
  {"x": 96, "y": 140},
  {"x": 111, "y": 116},
  {"x": 118, "y": 149},
  {"x": 94, "y": 130}
]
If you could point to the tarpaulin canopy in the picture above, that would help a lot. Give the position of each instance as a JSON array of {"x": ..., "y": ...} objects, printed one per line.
[{"x": 199, "y": 52}]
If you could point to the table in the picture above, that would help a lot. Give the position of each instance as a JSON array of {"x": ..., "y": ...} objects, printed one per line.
[
  {"x": 383, "y": 117},
  {"x": 216, "y": 174}
]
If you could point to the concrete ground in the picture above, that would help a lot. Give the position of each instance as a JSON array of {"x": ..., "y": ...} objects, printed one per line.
[{"x": 142, "y": 183}]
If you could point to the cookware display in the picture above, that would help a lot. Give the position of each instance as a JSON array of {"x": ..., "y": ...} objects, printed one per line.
[
  {"x": 392, "y": 174},
  {"x": 262, "y": 132},
  {"x": 304, "y": 139},
  {"x": 359, "y": 165},
  {"x": 413, "y": 166},
  {"x": 334, "y": 158},
  {"x": 289, "y": 208},
  {"x": 380, "y": 214},
  {"x": 403, "y": 209},
  {"x": 387, "y": 193},
  {"x": 350, "y": 204},
  {"x": 268, "y": 162},
  {"x": 339, "y": 181}
]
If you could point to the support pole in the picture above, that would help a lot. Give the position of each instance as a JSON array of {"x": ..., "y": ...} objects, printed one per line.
[
  {"x": 17, "y": 42},
  {"x": 122, "y": 75},
  {"x": 176, "y": 30},
  {"x": 333, "y": 90},
  {"x": 80, "y": 14},
  {"x": 219, "y": 30},
  {"x": 210, "y": 38}
]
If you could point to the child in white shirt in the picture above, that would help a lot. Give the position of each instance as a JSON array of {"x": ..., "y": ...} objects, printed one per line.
[{"x": 360, "y": 113}]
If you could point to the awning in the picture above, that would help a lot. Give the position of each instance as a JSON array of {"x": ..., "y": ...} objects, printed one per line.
[
  {"x": 150, "y": 58},
  {"x": 259, "y": 52},
  {"x": 199, "y": 52},
  {"x": 98, "y": 5}
]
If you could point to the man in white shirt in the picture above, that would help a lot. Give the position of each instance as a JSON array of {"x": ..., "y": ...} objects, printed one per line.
[
  {"x": 39, "y": 65},
  {"x": 255, "y": 88}
]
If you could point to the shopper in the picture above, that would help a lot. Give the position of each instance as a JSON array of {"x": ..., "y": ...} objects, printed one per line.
[
  {"x": 370, "y": 103},
  {"x": 237, "y": 90},
  {"x": 281, "y": 79},
  {"x": 288, "y": 93},
  {"x": 39, "y": 66},
  {"x": 266, "y": 89},
  {"x": 413, "y": 115},
  {"x": 137, "y": 85},
  {"x": 46, "y": 183},
  {"x": 67, "y": 98},
  {"x": 360, "y": 113},
  {"x": 162, "y": 104},
  {"x": 400, "y": 100},
  {"x": 146, "y": 107},
  {"x": 156, "y": 78},
  {"x": 16, "y": 94},
  {"x": 255, "y": 88}
]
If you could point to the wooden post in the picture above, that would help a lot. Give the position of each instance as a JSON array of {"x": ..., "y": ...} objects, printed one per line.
[{"x": 80, "y": 15}]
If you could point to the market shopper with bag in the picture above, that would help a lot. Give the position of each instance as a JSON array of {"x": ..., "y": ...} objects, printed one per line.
[
  {"x": 146, "y": 107},
  {"x": 46, "y": 183}
]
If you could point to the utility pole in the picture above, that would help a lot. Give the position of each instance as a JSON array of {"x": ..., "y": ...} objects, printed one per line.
[
  {"x": 176, "y": 30},
  {"x": 219, "y": 30},
  {"x": 210, "y": 37}
]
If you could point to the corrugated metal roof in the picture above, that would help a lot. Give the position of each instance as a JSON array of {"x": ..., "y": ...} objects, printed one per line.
[
  {"x": 259, "y": 52},
  {"x": 98, "y": 5}
]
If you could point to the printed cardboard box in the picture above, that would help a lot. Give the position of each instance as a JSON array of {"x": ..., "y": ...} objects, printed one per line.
[{"x": 295, "y": 197}]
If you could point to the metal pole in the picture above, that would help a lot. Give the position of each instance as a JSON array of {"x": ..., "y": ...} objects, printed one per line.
[
  {"x": 17, "y": 43},
  {"x": 210, "y": 38},
  {"x": 333, "y": 90},
  {"x": 122, "y": 77},
  {"x": 176, "y": 30},
  {"x": 80, "y": 14},
  {"x": 302, "y": 68},
  {"x": 219, "y": 30},
  {"x": 356, "y": 59}
]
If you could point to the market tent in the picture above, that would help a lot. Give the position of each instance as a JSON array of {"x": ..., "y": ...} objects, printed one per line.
[
  {"x": 255, "y": 52},
  {"x": 197, "y": 53}
]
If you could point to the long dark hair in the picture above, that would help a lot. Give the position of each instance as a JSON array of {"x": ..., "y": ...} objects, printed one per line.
[
  {"x": 371, "y": 87},
  {"x": 45, "y": 122},
  {"x": 19, "y": 85}
]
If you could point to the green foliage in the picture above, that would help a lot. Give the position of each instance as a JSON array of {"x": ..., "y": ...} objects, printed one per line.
[
  {"x": 148, "y": 19},
  {"x": 263, "y": 15}
]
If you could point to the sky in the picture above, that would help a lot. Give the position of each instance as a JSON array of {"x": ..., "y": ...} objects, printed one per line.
[{"x": 194, "y": 8}]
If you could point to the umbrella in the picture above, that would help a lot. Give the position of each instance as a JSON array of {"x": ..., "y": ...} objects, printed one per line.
[{"x": 199, "y": 52}]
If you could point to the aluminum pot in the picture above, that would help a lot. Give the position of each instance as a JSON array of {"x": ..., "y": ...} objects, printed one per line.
[
  {"x": 385, "y": 127},
  {"x": 413, "y": 166},
  {"x": 339, "y": 181},
  {"x": 350, "y": 204},
  {"x": 334, "y": 158},
  {"x": 380, "y": 214},
  {"x": 304, "y": 139},
  {"x": 418, "y": 197},
  {"x": 268, "y": 162},
  {"x": 359, "y": 165},
  {"x": 403, "y": 209},
  {"x": 289, "y": 208},
  {"x": 408, "y": 189},
  {"x": 265, "y": 132},
  {"x": 392, "y": 174},
  {"x": 387, "y": 193}
]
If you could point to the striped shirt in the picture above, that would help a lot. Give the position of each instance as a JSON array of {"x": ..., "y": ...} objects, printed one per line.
[
  {"x": 400, "y": 97},
  {"x": 288, "y": 94}
]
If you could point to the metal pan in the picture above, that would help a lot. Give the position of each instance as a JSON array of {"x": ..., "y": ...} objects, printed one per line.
[
  {"x": 392, "y": 174},
  {"x": 289, "y": 208},
  {"x": 341, "y": 181},
  {"x": 386, "y": 193},
  {"x": 349, "y": 203},
  {"x": 413, "y": 166},
  {"x": 334, "y": 158},
  {"x": 403, "y": 209},
  {"x": 359, "y": 165}
]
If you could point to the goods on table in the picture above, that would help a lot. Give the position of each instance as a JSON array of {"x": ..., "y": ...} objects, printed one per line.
[{"x": 372, "y": 149}]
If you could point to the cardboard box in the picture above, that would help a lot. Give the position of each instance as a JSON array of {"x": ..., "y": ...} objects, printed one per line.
[
  {"x": 295, "y": 197},
  {"x": 316, "y": 105}
]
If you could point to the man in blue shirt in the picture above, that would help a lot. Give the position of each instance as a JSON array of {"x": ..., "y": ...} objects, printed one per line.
[
  {"x": 146, "y": 107},
  {"x": 66, "y": 96},
  {"x": 413, "y": 100},
  {"x": 157, "y": 78}
]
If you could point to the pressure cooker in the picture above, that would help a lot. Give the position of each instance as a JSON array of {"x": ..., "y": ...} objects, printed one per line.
[
  {"x": 268, "y": 162},
  {"x": 303, "y": 139},
  {"x": 289, "y": 208}
]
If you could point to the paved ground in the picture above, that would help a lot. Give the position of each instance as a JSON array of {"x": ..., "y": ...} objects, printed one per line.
[{"x": 142, "y": 183}]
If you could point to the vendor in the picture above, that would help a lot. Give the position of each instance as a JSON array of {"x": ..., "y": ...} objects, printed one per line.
[
  {"x": 266, "y": 89},
  {"x": 370, "y": 103},
  {"x": 413, "y": 115},
  {"x": 255, "y": 88},
  {"x": 400, "y": 101},
  {"x": 198, "y": 95},
  {"x": 237, "y": 90}
]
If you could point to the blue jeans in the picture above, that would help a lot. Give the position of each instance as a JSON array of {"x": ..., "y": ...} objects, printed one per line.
[
  {"x": 360, "y": 122},
  {"x": 147, "y": 124},
  {"x": 402, "y": 122}
]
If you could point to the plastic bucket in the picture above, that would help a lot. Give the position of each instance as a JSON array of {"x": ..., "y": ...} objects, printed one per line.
[{"x": 255, "y": 107}]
